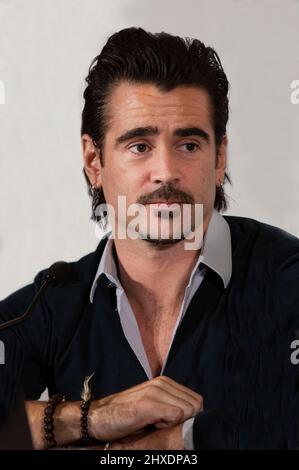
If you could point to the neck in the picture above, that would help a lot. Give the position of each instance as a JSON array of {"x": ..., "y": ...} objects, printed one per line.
[{"x": 154, "y": 277}]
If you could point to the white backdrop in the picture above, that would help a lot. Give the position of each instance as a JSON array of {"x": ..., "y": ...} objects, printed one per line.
[{"x": 45, "y": 51}]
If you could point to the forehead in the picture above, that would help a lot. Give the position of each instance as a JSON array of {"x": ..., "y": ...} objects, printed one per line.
[{"x": 135, "y": 104}]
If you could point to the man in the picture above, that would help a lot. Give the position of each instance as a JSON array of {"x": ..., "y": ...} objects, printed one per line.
[{"x": 179, "y": 348}]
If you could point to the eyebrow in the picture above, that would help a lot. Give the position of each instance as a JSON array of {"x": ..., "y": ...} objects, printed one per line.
[{"x": 152, "y": 130}]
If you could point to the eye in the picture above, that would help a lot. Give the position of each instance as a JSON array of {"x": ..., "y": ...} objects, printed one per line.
[
  {"x": 139, "y": 148},
  {"x": 190, "y": 147}
]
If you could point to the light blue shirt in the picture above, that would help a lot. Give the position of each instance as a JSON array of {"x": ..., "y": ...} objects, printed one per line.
[{"x": 215, "y": 254}]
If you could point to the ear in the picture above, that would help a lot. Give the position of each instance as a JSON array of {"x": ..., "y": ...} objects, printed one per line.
[
  {"x": 92, "y": 162},
  {"x": 221, "y": 162}
]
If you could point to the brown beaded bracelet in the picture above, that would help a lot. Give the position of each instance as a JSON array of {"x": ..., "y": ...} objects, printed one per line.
[
  {"x": 84, "y": 420},
  {"x": 48, "y": 419}
]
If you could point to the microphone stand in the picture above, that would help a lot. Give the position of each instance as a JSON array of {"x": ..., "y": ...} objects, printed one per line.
[{"x": 48, "y": 279}]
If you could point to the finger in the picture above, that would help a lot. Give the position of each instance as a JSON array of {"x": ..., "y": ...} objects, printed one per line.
[
  {"x": 167, "y": 414},
  {"x": 152, "y": 404},
  {"x": 160, "y": 391},
  {"x": 182, "y": 393},
  {"x": 178, "y": 386},
  {"x": 166, "y": 383}
]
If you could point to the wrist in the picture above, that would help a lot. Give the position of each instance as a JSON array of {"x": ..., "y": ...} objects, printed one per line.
[
  {"x": 93, "y": 420},
  {"x": 96, "y": 421},
  {"x": 67, "y": 422}
]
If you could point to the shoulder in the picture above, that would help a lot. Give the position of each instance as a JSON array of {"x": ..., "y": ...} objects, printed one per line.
[
  {"x": 55, "y": 317},
  {"x": 262, "y": 243},
  {"x": 265, "y": 276},
  {"x": 247, "y": 227},
  {"x": 68, "y": 292}
]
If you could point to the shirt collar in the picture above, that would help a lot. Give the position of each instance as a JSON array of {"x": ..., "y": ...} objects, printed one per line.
[{"x": 215, "y": 253}]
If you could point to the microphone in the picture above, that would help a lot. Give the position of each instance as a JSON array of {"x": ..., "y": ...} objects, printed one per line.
[{"x": 60, "y": 273}]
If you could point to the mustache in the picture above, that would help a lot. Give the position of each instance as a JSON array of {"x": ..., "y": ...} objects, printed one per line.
[{"x": 168, "y": 193}]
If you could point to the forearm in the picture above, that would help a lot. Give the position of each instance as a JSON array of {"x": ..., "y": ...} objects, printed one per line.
[
  {"x": 161, "y": 439},
  {"x": 66, "y": 422},
  {"x": 161, "y": 402}
]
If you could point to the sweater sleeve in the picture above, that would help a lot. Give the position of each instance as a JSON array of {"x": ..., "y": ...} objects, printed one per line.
[{"x": 24, "y": 347}]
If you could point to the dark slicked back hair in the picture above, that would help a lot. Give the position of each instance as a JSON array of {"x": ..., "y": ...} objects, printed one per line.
[{"x": 164, "y": 60}]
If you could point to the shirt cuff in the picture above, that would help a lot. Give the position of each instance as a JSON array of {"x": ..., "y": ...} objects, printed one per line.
[{"x": 188, "y": 434}]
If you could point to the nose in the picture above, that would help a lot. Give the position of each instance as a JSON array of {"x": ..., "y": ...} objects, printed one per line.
[{"x": 165, "y": 167}]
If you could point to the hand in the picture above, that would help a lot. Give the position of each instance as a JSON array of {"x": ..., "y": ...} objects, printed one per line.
[{"x": 161, "y": 402}]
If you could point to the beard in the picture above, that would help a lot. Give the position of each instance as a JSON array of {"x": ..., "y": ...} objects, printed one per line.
[{"x": 174, "y": 235}]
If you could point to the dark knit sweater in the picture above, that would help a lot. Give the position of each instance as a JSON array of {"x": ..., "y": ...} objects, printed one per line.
[{"x": 233, "y": 345}]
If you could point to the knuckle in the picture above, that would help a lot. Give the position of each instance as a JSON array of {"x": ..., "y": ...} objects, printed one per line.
[
  {"x": 157, "y": 380},
  {"x": 163, "y": 379},
  {"x": 190, "y": 409},
  {"x": 177, "y": 413}
]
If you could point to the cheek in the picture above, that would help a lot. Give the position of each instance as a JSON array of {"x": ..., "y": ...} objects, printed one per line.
[
  {"x": 204, "y": 187},
  {"x": 115, "y": 185},
  {"x": 202, "y": 179}
]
